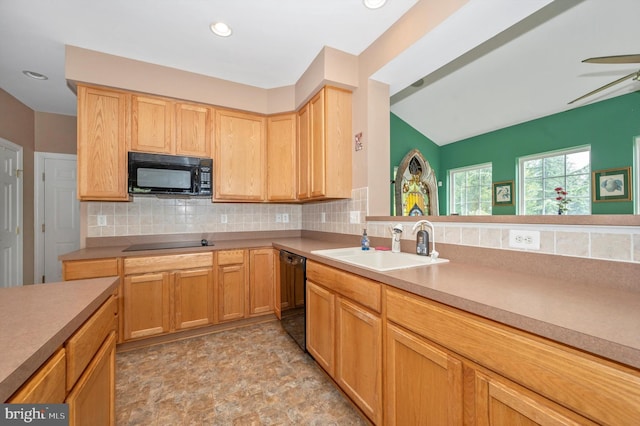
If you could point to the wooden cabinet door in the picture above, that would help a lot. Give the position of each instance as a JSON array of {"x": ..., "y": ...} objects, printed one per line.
[
  {"x": 231, "y": 292},
  {"x": 317, "y": 160},
  {"x": 151, "y": 124},
  {"x": 423, "y": 384},
  {"x": 194, "y": 130},
  {"x": 499, "y": 402},
  {"x": 321, "y": 336},
  {"x": 261, "y": 281},
  {"x": 102, "y": 144},
  {"x": 92, "y": 400},
  {"x": 281, "y": 157},
  {"x": 359, "y": 357},
  {"x": 193, "y": 298},
  {"x": 304, "y": 141},
  {"x": 240, "y": 158},
  {"x": 338, "y": 142},
  {"x": 146, "y": 305}
]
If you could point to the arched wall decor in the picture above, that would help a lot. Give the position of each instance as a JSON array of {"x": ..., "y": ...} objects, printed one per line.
[{"x": 416, "y": 189}]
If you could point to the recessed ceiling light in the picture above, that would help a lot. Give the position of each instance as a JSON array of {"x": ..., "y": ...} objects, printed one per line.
[
  {"x": 374, "y": 4},
  {"x": 221, "y": 29},
  {"x": 35, "y": 75}
]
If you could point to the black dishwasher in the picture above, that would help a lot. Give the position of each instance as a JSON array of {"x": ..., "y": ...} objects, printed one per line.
[{"x": 292, "y": 296}]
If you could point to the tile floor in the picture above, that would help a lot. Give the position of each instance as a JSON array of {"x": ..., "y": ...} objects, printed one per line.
[{"x": 255, "y": 375}]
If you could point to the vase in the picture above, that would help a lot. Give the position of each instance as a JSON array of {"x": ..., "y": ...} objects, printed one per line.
[{"x": 559, "y": 211}]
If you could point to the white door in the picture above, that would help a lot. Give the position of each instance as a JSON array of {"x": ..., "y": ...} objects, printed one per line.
[
  {"x": 58, "y": 212},
  {"x": 10, "y": 215}
]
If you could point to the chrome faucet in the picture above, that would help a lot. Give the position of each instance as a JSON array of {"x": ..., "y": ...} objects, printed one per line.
[
  {"x": 434, "y": 253},
  {"x": 396, "y": 233}
]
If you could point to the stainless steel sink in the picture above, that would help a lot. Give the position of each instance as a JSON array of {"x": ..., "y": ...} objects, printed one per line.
[{"x": 378, "y": 260}]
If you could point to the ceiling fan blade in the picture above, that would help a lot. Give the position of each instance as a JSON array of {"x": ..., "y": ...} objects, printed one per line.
[
  {"x": 619, "y": 59},
  {"x": 606, "y": 86}
]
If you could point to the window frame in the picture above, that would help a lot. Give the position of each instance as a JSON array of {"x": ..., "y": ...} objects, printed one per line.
[
  {"x": 451, "y": 201},
  {"x": 541, "y": 156}
]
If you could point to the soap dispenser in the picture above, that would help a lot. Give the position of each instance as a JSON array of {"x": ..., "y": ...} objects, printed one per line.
[
  {"x": 422, "y": 241},
  {"x": 364, "y": 242}
]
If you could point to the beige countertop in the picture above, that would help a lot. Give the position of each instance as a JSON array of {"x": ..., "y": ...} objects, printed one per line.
[
  {"x": 602, "y": 320},
  {"x": 37, "y": 319}
]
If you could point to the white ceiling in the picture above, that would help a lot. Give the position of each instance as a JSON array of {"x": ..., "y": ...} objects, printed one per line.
[{"x": 494, "y": 63}]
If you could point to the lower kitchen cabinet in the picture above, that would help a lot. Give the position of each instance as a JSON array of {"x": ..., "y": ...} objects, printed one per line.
[
  {"x": 146, "y": 305},
  {"x": 261, "y": 281},
  {"x": 359, "y": 356},
  {"x": 245, "y": 283},
  {"x": 163, "y": 294},
  {"x": 509, "y": 377},
  {"x": 231, "y": 283},
  {"x": 47, "y": 385},
  {"x": 80, "y": 374},
  {"x": 501, "y": 402},
  {"x": 423, "y": 384},
  {"x": 193, "y": 298},
  {"x": 92, "y": 400},
  {"x": 321, "y": 326},
  {"x": 345, "y": 336}
]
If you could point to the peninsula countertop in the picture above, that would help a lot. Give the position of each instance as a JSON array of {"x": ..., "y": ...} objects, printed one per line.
[
  {"x": 598, "y": 319},
  {"x": 37, "y": 319}
]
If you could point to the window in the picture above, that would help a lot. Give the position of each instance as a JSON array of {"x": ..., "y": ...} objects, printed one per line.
[
  {"x": 470, "y": 190},
  {"x": 539, "y": 175}
]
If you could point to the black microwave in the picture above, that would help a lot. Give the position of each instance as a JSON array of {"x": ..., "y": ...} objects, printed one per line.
[{"x": 169, "y": 174}]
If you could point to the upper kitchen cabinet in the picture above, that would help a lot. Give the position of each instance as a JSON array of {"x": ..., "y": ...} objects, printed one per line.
[
  {"x": 165, "y": 126},
  {"x": 281, "y": 157},
  {"x": 240, "y": 156},
  {"x": 194, "y": 129},
  {"x": 328, "y": 145},
  {"x": 304, "y": 140},
  {"x": 102, "y": 132},
  {"x": 151, "y": 124}
]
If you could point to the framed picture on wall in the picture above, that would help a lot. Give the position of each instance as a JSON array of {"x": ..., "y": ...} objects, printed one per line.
[
  {"x": 612, "y": 185},
  {"x": 503, "y": 193}
]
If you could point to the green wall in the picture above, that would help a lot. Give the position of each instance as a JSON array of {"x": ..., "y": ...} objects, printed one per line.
[{"x": 609, "y": 127}]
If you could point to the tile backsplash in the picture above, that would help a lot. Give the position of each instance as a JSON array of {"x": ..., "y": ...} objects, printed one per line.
[
  {"x": 620, "y": 243},
  {"x": 147, "y": 215},
  {"x": 151, "y": 215}
]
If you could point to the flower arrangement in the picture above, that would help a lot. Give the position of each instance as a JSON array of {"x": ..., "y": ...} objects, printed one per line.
[{"x": 561, "y": 198}]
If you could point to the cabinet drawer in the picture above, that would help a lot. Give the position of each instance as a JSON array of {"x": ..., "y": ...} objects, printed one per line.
[
  {"x": 84, "y": 344},
  {"x": 594, "y": 388},
  {"x": 362, "y": 290},
  {"x": 84, "y": 269},
  {"x": 230, "y": 257},
  {"x": 152, "y": 264},
  {"x": 46, "y": 386}
]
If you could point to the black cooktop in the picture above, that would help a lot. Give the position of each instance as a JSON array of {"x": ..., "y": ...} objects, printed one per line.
[{"x": 168, "y": 245}]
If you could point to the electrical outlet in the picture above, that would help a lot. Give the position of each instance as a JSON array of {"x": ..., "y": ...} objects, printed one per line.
[
  {"x": 278, "y": 217},
  {"x": 285, "y": 217},
  {"x": 323, "y": 217},
  {"x": 102, "y": 220},
  {"x": 354, "y": 216},
  {"x": 524, "y": 239},
  {"x": 223, "y": 218}
]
